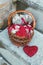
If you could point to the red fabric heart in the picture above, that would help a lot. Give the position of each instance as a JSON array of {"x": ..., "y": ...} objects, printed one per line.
[{"x": 30, "y": 50}]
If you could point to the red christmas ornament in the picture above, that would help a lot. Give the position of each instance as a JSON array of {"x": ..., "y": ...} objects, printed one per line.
[{"x": 21, "y": 32}]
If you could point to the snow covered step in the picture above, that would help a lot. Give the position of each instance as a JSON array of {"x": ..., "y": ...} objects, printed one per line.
[
  {"x": 37, "y": 40},
  {"x": 12, "y": 59},
  {"x": 38, "y": 4}
]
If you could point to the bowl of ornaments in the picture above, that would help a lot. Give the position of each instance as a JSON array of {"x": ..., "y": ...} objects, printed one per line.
[{"x": 21, "y": 26}]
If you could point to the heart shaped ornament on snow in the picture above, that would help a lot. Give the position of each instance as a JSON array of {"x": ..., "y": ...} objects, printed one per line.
[{"x": 30, "y": 50}]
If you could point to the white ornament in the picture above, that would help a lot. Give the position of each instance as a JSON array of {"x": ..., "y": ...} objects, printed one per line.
[
  {"x": 22, "y": 16},
  {"x": 17, "y": 27},
  {"x": 16, "y": 19},
  {"x": 14, "y": 31},
  {"x": 28, "y": 18}
]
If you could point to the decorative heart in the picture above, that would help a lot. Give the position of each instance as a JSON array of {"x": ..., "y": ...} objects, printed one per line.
[{"x": 30, "y": 50}]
